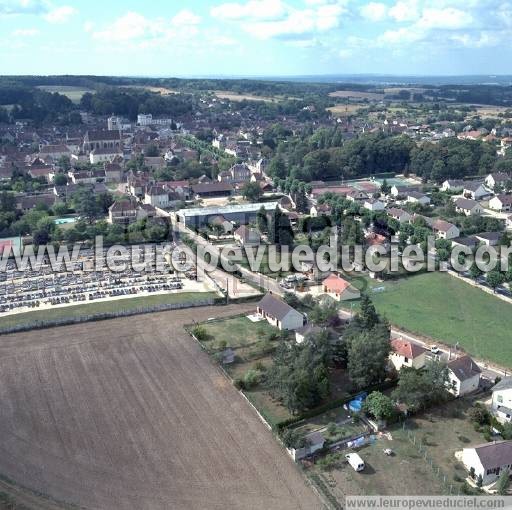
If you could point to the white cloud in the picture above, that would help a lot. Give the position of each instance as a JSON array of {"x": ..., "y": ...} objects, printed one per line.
[
  {"x": 25, "y": 32},
  {"x": 481, "y": 40},
  {"x": 88, "y": 26},
  {"x": 22, "y": 7},
  {"x": 267, "y": 19},
  {"x": 404, "y": 10},
  {"x": 374, "y": 11},
  {"x": 448, "y": 18},
  {"x": 60, "y": 14},
  {"x": 185, "y": 18},
  {"x": 263, "y": 10}
]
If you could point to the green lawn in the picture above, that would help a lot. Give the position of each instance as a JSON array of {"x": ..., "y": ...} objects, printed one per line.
[
  {"x": 237, "y": 332},
  {"x": 96, "y": 307},
  {"x": 72, "y": 92},
  {"x": 447, "y": 309}
]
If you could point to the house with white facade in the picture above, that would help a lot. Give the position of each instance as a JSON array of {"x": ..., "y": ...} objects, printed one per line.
[
  {"x": 468, "y": 207},
  {"x": 497, "y": 178},
  {"x": 407, "y": 354},
  {"x": 501, "y": 203},
  {"x": 278, "y": 313},
  {"x": 373, "y": 204},
  {"x": 415, "y": 197},
  {"x": 501, "y": 404},
  {"x": 339, "y": 289},
  {"x": 463, "y": 376},
  {"x": 485, "y": 462},
  {"x": 475, "y": 190},
  {"x": 445, "y": 230}
]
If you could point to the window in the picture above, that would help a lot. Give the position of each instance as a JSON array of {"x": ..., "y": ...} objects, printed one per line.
[{"x": 500, "y": 399}]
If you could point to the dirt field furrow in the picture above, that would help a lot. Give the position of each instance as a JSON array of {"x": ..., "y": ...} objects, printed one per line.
[{"x": 131, "y": 414}]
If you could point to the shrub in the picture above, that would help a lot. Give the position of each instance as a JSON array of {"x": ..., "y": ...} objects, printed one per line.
[
  {"x": 238, "y": 383},
  {"x": 200, "y": 333},
  {"x": 479, "y": 414},
  {"x": 251, "y": 378},
  {"x": 330, "y": 461}
]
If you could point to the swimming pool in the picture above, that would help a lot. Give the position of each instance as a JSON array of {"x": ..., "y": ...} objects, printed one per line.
[{"x": 63, "y": 221}]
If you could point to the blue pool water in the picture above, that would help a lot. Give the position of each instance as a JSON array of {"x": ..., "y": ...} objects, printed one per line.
[{"x": 63, "y": 221}]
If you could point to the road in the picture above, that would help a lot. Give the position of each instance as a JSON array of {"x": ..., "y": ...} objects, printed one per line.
[
  {"x": 261, "y": 280},
  {"x": 445, "y": 351},
  {"x": 270, "y": 284}
]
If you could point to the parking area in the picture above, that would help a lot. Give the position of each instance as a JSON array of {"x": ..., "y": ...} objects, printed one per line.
[{"x": 22, "y": 291}]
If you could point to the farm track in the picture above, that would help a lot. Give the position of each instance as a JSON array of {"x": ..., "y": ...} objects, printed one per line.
[{"x": 131, "y": 413}]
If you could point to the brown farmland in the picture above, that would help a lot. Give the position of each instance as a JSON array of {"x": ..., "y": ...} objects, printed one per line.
[{"x": 130, "y": 413}]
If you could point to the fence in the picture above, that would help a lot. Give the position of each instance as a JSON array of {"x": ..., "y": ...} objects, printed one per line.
[
  {"x": 65, "y": 321},
  {"x": 450, "y": 488}
]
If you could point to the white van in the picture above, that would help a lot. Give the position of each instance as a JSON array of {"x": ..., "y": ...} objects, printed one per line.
[{"x": 355, "y": 461}]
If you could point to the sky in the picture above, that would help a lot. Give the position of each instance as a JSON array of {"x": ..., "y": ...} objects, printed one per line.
[{"x": 255, "y": 37}]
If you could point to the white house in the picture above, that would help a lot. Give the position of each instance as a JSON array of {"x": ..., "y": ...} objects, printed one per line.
[
  {"x": 156, "y": 196},
  {"x": 468, "y": 207},
  {"x": 445, "y": 230},
  {"x": 247, "y": 236},
  {"x": 104, "y": 154},
  {"x": 463, "y": 376},
  {"x": 279, "y": 313},
  {"x": 453, "y": 185},
  {"x": 415, "y": 197},
  {"x": 488, "y": 460},
  {"x": 474, "y": 190},
  {"x": 320, "y": 210},
  {"x": 399, "y": 214},
  {"x": 309, "y": 329},
  {"x": 314, "y": 441},
  {"x": 407, "y": 354},
  {"x": 373, "y": 204},
  {"x": 499, "y": 178},
  {"x": 502, "y": 400},
  {"x": 502, "y": 203}
]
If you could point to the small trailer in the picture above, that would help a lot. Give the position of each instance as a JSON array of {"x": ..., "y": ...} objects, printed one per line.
[{"x": 355, "y": 461}]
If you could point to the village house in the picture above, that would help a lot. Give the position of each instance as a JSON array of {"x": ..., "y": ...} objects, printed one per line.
[
  {"x": 453, "y": 185},
  {"x": 314, "y": 441},
  {"x": 319, "y": 210},
  {"x": 399, "y": 214},
  {"x": 402, "y": 191},
  {"x": 501, "y": 203},
  {"x": 26, "y": 203},
  {"x": 445, "y": 230},
  {"x": 485, "y": 462},
  {"x": 373, "y": 204},
  {"x": 113, "y": 172},
  {"x": 489, "y": 238},
  {"x": 416, "y": 197},
  {"x": 501, "y": 405},
  {"x": 123, "y": 212},
  {"x": 474, "y": 190},
  {"x": 247, "y": 236},
  {"x": 157, "y": 197},
  {"x": 104, "y": 154},
  {"x": 356, "y": 196},
  {"x": 463, "y": 376},
  {"x": 339, "y": 289},
  {"x": 54, "y": 151},
  {"x": 309, "y": 329},
  {"x": 468, "y": 207},
  {"x": 239, "y": 173},
  {"x": 407, "y": 354},
  {"x": 498, "y": 178},
  {"x": 279, "y": 314}
]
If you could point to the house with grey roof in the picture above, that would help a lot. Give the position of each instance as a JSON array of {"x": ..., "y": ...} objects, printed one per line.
[
  {"x": 501, "y": 404},
  {"x": 468, "y": 207},
  {"x": 487, "y": 461},
  {"x": 278, "y": 313},
  {"x": 463, "y": 376}
]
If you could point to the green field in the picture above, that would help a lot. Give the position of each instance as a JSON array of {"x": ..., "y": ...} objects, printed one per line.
[
  {"x": 74, "y": 93},
  {"x": 97, "y": 307},
  {"x": 449, "y": 310}
]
